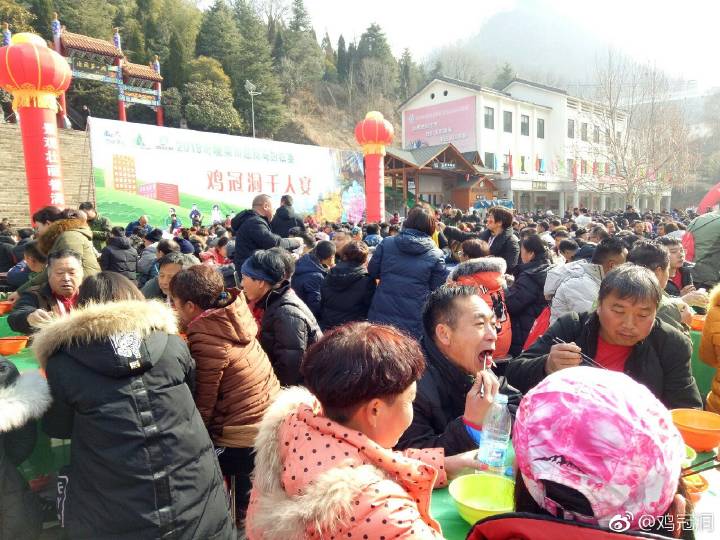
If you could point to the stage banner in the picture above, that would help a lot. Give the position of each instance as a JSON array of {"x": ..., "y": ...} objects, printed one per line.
[{"x": 141, "y": 169}]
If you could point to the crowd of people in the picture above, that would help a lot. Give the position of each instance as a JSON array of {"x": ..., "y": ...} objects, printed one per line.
[{"x": 327, "y": 375}]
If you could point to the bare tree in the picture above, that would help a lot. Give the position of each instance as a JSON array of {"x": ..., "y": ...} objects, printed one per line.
[
  {"x": 461, "y": 63},
  {"x": 645, "y": 135}
]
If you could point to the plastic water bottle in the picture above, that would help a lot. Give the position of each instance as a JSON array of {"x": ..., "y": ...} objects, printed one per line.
[{"x": 495, "y": 436}]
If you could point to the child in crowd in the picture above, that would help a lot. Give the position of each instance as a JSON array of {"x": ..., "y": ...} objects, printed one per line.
[{"x": 33, "y": 263}]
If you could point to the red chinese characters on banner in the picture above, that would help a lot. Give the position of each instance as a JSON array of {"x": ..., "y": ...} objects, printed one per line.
[{"x": 255, "y": 182}]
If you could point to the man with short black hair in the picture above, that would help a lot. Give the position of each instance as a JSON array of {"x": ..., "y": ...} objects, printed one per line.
[
  {"x": 58, "y": 296},
  {"x": 99, "y": 225},
  {"x": 285, "y": 218},
  {"x": 310, "y": 272},
  {"x": 577, "y": 284},
  {"x": 624, "y": 335},
  {"x": 168, "y": 265},
  {"x": 252, "y": 231},
  {"x": 459, "y": 337},
  {"x": 655, "y": 257}
]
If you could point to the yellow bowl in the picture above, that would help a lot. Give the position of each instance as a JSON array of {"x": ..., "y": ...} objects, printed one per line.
[{"x": 480, "y": 495}]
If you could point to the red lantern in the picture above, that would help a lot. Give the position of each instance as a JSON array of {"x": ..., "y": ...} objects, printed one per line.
[
  {"x": 373, "y": 133},
  {"x": 35, "y": 75}
]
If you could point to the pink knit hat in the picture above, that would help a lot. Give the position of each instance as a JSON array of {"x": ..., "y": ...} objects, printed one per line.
[{"x": 605, "y": 435}]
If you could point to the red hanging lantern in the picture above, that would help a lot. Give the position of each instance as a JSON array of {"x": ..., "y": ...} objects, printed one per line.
[
  {"x": 36, "y": 75},
  {"x": 373, "y": 133}
]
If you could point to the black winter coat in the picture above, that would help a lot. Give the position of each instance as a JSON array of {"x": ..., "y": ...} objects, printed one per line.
[
  {"x": 307, "y": 280},
  {"x": 661, "y": 361},
  {"x": 252, "y": 233},
  {"x": 525, "y": 300},
  {"x": 410, "y": 266},
  {"x": 505, "y": 245},
  {"x": 23, "y": 399},
  {"x": 346, "y": 295},
  {"x": 440, "y": 404},
  {"x": 7, "y": 257},
  {"x": 119, "y": 256},
  {"x": 142, "y": 465},
  {"x": 38, "y": 297},
  {"x": 288, "y": 328},
  {"x": 19, "y": 249},
  {"x": 284, "y": 220}
]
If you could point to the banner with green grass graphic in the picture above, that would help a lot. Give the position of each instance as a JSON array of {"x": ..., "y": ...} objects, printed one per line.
[{"x": 155, "y": 171}]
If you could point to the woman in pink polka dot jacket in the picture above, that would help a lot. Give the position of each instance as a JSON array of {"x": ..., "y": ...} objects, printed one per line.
[{"x": 324, "y": 467}]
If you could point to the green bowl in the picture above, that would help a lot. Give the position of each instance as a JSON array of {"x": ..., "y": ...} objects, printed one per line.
[{"x": 480, "y": 495}]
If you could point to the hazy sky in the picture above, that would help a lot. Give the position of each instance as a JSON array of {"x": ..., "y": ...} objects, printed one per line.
[{"x": 682, "y": 37}]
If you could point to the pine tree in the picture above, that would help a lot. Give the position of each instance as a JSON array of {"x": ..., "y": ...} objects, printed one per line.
[
  {"x": 342, "y": 59},
  {"x": 374, "y": 44},
  {"x": 504, "y": 77},
  {"x": 218, "y": 36},
  {"x": 278, "y": 50},
  {"x": 253, "y": 62},
  {"x": 300, "y": 20},
  {"x": 410, "y": 75},
  {"x": 175, "y": 71},
  {"x": 330, "y": 59},
  {"x": 43, "y": 12}
]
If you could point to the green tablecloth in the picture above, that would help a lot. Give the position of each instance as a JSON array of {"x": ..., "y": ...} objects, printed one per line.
[
  {"x": 443, "y": 510},
  {"x": 5, "y": 330},
  {"x": 703, "y": 373}
]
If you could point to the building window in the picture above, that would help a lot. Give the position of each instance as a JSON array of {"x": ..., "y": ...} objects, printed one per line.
[
  {"x": 540, "y": 128},
  {"x": 583, "y": 166},
  {"x": 507, "y": 121},
  {"x": 524, "y": 125},
  {"x": 596, "y": 134},
  {"x": 490, "y": 161},
  {"x": 571, "y": 167},
  {"x": 522, "y": 164},
  {"x": 584, "y": 132},
  {"x": 607, "y": 168},
  {"x": 571, "y": 129},
  {"x": 506, "y": 164},
  {"x": 489, "y": 118}
]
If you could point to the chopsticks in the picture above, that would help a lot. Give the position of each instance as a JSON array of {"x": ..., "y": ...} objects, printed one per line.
[
  {"x": 690, "y": 471},
  {"x": 584, "y": 356}
]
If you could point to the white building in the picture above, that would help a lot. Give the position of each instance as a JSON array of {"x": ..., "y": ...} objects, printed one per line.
[{"x": 546, "y": 146}]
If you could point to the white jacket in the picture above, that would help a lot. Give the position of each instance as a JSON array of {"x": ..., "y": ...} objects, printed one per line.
[{"x": 577, "y": 293}]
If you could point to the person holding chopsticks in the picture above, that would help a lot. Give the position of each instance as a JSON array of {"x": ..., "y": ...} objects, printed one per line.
[{"x": 623, "y": 335}]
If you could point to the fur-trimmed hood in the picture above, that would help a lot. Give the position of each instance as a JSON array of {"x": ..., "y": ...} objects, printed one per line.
[
  {"x": 24, "y": 400},
  {"x": 475, "y": 266},
  {"x": 715, "y": 296},
  {"x": 47, "y": 239},
  {"x": 102, "y": 322},
  {"x": 314, "y": 476}
]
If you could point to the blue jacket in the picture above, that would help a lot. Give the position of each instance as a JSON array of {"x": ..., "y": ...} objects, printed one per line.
[
  {"x": 307, "y": 279},
  {"x": 410, "y": 266}
]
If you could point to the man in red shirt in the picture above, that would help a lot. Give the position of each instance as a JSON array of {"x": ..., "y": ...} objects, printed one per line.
[{"x": 623, "y": 334}]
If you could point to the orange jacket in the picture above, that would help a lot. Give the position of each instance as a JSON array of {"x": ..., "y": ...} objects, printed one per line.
[
  {"x": 315, "y": 478},
  {"x": 710, "y": 347}
]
